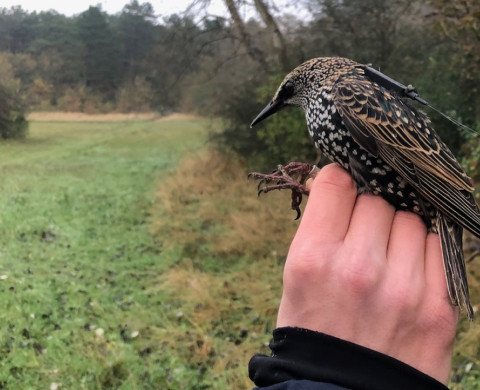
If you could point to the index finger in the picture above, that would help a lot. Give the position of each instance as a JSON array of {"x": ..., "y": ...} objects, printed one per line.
[{"x": 330, "y": 205}]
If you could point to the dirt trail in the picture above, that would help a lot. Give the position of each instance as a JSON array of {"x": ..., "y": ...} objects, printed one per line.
[{"x": 52, "y": 116}]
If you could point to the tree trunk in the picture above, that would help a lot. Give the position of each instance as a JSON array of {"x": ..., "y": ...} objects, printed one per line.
[
  {"x": 254, "y": 53},
  {"x": 279, "y": 42}
]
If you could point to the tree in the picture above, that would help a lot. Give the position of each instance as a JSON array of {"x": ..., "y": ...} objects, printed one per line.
[
  {"x": 369, "y": 31},
  {"x": 57, "y": 48},
  {"x": 136, "y": 30},
  {"x": 101, "y": 52},
  {"x": 174, "y": 55},
  {"x": 13, "y": 123},
  {"x": 278, "y": 40},
  {"x": 15, "y": 29},
  {"x": 244, "y": 37},
  {"x": 459, "y": 21}
]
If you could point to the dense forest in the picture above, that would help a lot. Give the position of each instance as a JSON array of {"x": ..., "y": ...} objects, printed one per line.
[
  {"x": 96, "y": 62},
  {"x": 228, "y": 66}
]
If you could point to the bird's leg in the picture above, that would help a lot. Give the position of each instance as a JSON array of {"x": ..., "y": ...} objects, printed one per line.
[{"x": 291, "y": 176}]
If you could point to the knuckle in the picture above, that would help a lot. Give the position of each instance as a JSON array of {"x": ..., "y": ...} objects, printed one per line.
[
  {"x": 300, "y": 270},
  {"x": 374, "y": 202},
  {"x": 304, "y": 263},
  {"x": 334, "y": 177},
  {"x": 360, "y": 275},
  {"x": 300, "y": 275},
  {"x": 409, "y": 220}
]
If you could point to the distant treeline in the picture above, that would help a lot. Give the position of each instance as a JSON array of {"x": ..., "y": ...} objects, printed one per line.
[{"x": 94, "y": 61}]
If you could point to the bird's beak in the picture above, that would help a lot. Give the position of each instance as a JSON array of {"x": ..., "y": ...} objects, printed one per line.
[{"x": 270, "y": 109}]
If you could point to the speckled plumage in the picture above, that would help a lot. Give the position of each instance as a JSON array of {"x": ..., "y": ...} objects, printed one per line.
[{"x": 390, "y": 149}]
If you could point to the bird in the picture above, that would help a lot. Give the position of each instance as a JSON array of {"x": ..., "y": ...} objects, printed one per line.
[{"x": 365, "y": 122}]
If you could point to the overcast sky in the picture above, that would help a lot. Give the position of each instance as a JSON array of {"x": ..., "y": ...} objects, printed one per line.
[{"x": 69, "y": 7}]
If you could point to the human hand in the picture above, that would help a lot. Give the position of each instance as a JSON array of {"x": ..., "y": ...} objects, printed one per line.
[{"x": 360, "y": 271}]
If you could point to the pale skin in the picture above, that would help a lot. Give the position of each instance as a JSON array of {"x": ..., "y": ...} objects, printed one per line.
[{"x": 360, "y": 271}]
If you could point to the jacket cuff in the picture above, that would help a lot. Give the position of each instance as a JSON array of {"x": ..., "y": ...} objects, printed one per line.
[{"x": 305, "y": 354}]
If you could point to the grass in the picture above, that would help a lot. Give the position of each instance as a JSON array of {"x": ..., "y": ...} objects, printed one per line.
[
  {"x": 77, "y": 258},
  {"x": 133, "y": 257}
]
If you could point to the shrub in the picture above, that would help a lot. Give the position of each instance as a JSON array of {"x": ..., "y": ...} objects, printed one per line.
[{"x": 13, "y": 123}]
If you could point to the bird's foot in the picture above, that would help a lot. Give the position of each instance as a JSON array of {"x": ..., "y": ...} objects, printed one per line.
[{"x": 291, "y": 176}]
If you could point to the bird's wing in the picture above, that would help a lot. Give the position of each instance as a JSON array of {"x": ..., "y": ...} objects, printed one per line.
[
  {"x": 454, "y": 263},
  {"x": 402, "y": 136}
]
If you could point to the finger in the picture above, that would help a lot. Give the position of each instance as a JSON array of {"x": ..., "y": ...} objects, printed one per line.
[
  {"x": 309, "y": 183},
  {"x": 329, "y": 205},
  {"x": 434, "y": 268},
  {"x": 313, "y": 174},
  {"x": 370, "y": 226},
  {"x": 406, "y": 248}
]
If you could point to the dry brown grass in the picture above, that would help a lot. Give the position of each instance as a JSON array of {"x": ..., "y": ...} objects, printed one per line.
[
  {"x": 225, "y": 289},
  {"x": 209, "y": 205}
]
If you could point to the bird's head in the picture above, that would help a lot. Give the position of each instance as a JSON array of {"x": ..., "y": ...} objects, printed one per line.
[{"x": 304, "y": 83}]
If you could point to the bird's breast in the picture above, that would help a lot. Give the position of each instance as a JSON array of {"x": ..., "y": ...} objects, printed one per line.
[
  {"x": 370, "y": 172},
  {"x": 328, "y": 132}
]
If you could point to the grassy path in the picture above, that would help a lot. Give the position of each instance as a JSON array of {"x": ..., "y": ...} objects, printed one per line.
[{"x": 76, "y": 253}]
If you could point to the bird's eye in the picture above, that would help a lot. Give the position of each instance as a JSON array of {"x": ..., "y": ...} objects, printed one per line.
[{"x": 287, "y": 90}]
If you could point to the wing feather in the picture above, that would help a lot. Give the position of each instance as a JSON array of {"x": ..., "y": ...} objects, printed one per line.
[
  {"x": 377, "y": 116},
  {"x": 402, "y": 136},
  {"x": 454, "y": 263}
]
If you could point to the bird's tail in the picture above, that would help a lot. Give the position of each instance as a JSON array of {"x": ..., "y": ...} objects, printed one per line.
[{"x": 453, "y": 260}]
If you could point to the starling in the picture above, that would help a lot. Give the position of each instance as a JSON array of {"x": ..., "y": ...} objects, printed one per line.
[{"x": 364, "y": 121}]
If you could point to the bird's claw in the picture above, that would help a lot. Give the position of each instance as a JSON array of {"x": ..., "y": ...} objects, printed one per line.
[
  {"x": 291, "y": 176},
  {"x": 296, "y": 201}
]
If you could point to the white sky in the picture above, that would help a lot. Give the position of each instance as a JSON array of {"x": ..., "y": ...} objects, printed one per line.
[{"x": 69, "y": 7}]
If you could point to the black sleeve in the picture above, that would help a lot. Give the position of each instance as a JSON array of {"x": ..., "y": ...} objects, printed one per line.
[
  {"x": 302, "y": 385},
  {"x": 302, "y": 354}
]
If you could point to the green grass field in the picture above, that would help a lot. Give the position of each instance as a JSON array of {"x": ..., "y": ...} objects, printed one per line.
[
  {"x": 133, "y": 257},
  {"x": 77, "y": 262}
]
